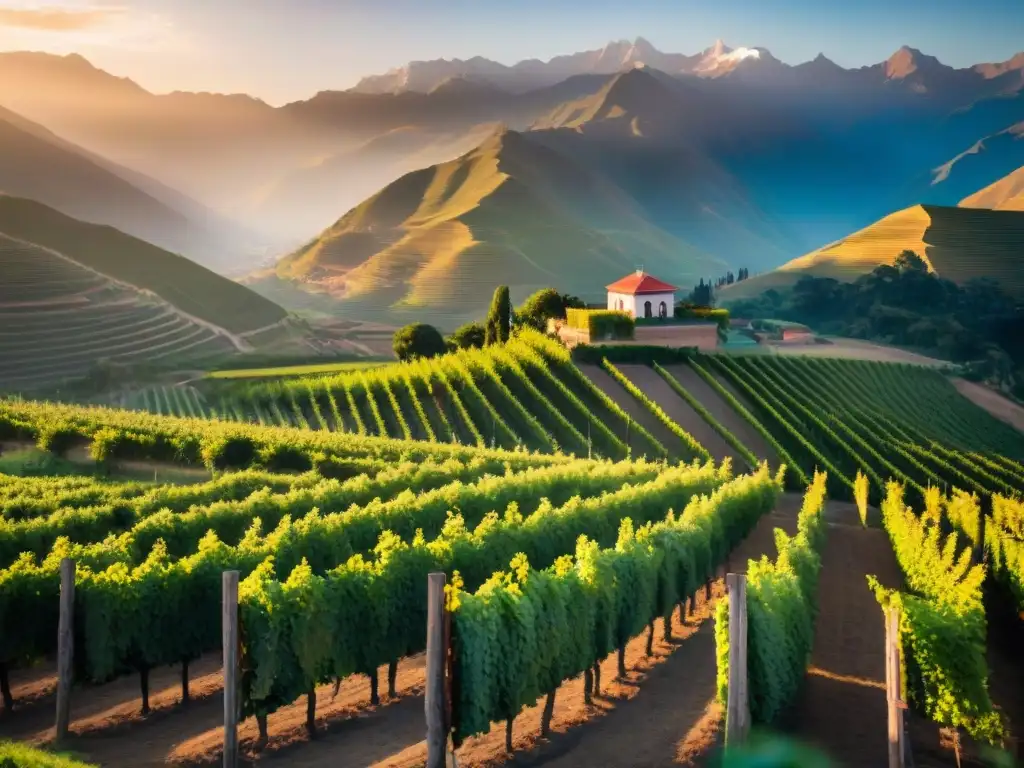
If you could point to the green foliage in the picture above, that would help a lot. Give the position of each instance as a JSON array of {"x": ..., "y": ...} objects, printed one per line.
[
  {"x": 720, "y": 316},
  {"x": 511, "y": 638},
  {"x": 774, "y": 752},
  {"x": 499, "y": 317},
  {"x": 796, "y": 478},
  {"x": 151, "y": 596},
  {"x": 469, "y": 336},
  {"x": 1004, "y": 540},
  {"x": 781, "y": 609},
  {"x": 860, "y": 495},
  {"x": 905, "y": 304},
  {"x": 57, "y": 438},
  {"x": 378, "y": 614},
  {"x": 704, "y": 413},
  {"x": 17, "y": 755},
  {"x": 692, "y": 448},
  {"x": 539, "y": 307},
  {"x": 601, "y": 323},
  {"x": 942, "y": 625},
  {"x": 418, "y": 340},
  {"x": 793, "y": 429}
]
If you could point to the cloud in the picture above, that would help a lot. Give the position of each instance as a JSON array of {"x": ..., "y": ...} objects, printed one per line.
[{"x": 55, "y": 19}]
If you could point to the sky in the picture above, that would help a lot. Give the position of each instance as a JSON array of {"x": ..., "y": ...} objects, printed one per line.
[{"x": 286, "y": 50}]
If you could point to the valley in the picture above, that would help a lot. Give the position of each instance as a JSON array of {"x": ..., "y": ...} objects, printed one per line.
[{"x": 613, "y": 406}]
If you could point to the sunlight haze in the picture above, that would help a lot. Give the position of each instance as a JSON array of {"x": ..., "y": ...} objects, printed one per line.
[{"x": 284, "y": 51}]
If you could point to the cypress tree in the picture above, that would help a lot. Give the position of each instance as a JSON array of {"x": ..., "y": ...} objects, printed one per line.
[{"x": 499, "y": 316}]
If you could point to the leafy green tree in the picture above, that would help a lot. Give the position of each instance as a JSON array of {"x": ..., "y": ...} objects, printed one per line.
[
  {"x": 572, "y": 302},
  {"x": 469, "y": 336},
  {"x": 418, "y": 340},
  {"x": 499, "y": 317},
  {"x": 543, "y": 305}
]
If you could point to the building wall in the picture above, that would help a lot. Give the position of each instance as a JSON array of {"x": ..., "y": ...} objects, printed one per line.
[
  {"x": 635, "y": 304},
  {"x": 701, "y": 335}
]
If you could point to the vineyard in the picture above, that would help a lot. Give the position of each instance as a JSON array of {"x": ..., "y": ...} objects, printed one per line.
[{"x": 583, "y": 514}]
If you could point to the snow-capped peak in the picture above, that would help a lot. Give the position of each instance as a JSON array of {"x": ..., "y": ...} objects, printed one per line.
[{"x": 721, "y": 55}]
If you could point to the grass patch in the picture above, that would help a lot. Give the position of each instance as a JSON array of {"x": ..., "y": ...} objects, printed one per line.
[
  {"x": 14, "y": 755},
  {"x": 32, "y": 462},
  {"x": 297, "y": 370}
]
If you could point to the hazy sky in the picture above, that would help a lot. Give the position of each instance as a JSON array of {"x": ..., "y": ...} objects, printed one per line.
[{"x": 283, "y": 50}]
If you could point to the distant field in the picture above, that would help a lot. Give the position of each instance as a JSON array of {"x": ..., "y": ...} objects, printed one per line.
[
  {"x": 855, "y": 349},
  {"x": 297, "y": 370}
]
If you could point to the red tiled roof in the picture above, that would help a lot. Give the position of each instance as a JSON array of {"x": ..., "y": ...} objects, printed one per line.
[{"x": 640, "y": 282}]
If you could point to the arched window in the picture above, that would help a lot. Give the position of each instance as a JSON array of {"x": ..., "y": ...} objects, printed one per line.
[
  {"x": 663, "y": 310},
  {"x": 647, "y": 309},
  {"x": 621, "y": 305}
]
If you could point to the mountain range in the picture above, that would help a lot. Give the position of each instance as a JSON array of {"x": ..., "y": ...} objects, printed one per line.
[{"x": 427, "y": 179}]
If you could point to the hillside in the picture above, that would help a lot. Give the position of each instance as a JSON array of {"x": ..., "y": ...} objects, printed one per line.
[
  {"x": 37, "y": 165},
  {"x": 958, "y": 243},
  {"x": 511, "y": 211},
  {"x": 982, "y": 164},
  {"x": 191, "y": 288},
  {"x": 309, "y": 198},
  {"x": 58, "y": 319},
  {"x": 1007, "y": 194}
]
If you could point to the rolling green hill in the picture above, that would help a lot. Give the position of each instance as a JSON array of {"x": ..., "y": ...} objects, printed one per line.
[
  {"x": 958, "y": 243},
  {"x": 191, "y": 288},
  {"x": 513, "y": 211}
]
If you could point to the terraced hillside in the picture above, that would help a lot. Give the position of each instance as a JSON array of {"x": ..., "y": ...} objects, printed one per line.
[
  {"x": 59, "y": 318},
  {"x": 958, "y": 243},
  {"x": 191, "y": 288}
]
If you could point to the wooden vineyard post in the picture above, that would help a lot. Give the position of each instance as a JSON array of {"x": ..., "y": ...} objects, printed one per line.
[
  {"x": 229, "y": 628},
  {"x": 737, "y": 716},
  {"x": 65, "y": 647},
  {"x": 893, "y": 694},
  {"x": 436, "y": 704}
]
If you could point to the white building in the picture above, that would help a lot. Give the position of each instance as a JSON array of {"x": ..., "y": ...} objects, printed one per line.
[{"x": 642, "y": 295}]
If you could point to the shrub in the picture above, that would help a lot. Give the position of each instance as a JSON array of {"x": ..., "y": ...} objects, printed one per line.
[
  {"x": 15, "y": 429},
  {"x": 720, "y": 316},
  {"x": 601, "y": 323},
  {"x": 58, "y": 438},
  {"x": 229, "y": 452},
  {"x": 543, "y": 305},
  {"x": 109, "y": 444},
  {"x": 281, "y": 457},
  {"x": 418, "y": 340},
  {"x": 468, "y": 336}
]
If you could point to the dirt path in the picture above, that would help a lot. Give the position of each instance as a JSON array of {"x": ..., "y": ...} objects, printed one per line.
[
  {"x": 655, "y": 387},
  {"x": 993, "y": 402},
  {"x": 721, "y": 410},
  {"x": 842, "y": 707},
  {"x": 1005, "y": 660},
  {"x": 662, "y": 714},
  {"x": 603, "y": 381}
]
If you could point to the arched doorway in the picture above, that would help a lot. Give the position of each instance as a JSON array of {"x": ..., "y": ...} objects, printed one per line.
[
  {"x": 621, "y": 305},
  {"x": 647, "y": 309},
  {"x": 663, "y": 310}
]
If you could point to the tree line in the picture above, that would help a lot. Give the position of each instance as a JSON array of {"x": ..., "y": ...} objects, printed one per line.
[{"x": 423, "y": 340}]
